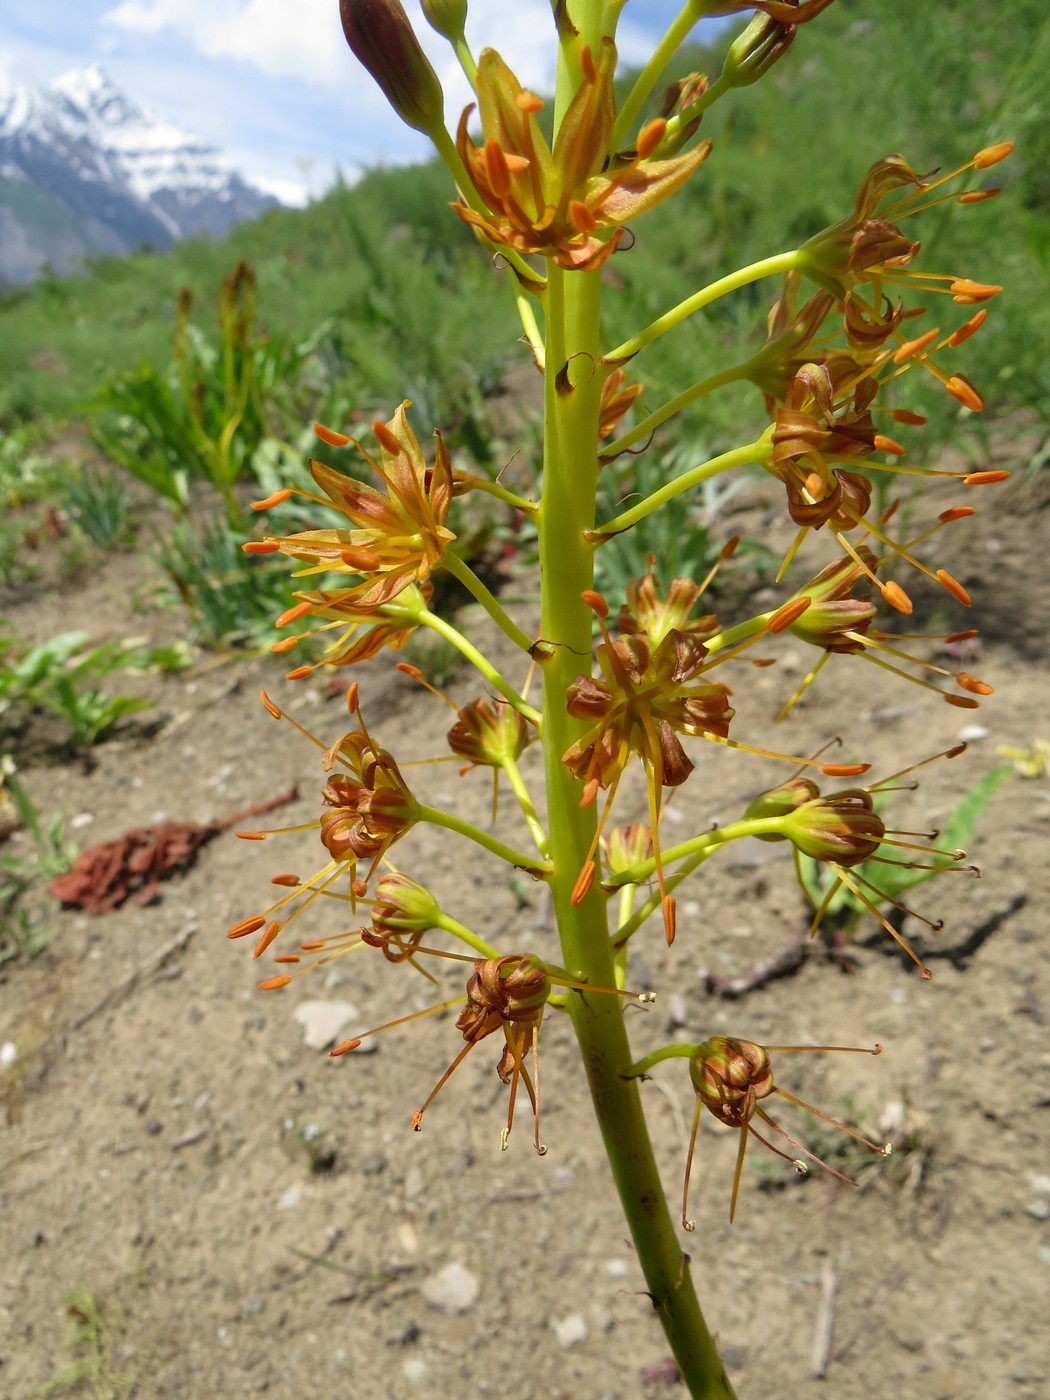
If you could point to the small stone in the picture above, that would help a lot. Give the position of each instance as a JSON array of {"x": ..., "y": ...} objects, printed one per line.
[
  {"x": 289, "y": 1199},
  {"x": 252, "y": 1307},
  {"x": 8, "y": 1054},
  {"x": 372, "y": 1163},
  {"x": 571, "y": 1330},
  {"x": 973, "y": 733},
  {"x": 678, "y": 1011},
  {"x": 414, "y": 1368},
  {"x": 415, "y": 1184},
  {"x": 407, "y": 1238},
  {"x": 617, "y": 1268},
  {"x": 81, "y": 820},
  {"x": 1038, "y": 1209},
  {"x": 324, "y": 1022},
  {"x": 1044, "y": 1254},
  {"x": 1040, "y": 1183},
  {"x": 452, "y": 1289}
]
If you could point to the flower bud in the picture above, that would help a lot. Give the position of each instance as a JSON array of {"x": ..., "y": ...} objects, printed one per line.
[
  {"x": 780, "y": 801},
  {"x": 403, "y": 906},
  {"x": 844, "y": 828},
  {"x": 488, "y": 733},
  {"x": 379, "y": 33},
  {"x": 754, "y": 52},
  {"x": 833, "y": 614},
  {"x": 446, "y": 16},
  {"x": 628, "y": 846}
]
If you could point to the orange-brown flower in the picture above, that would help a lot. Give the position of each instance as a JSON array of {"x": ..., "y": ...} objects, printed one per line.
[
  {"x": 730, "y": 1078},
  {"x": 647, "y": 697},
  {"x": 570, "y": 203},
  {"x": 395, "y": 539},
  {"x": 363, "y": 630}
]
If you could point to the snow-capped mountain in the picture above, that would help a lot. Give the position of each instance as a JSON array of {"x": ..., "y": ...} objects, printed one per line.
[{"x": 84, "y": 170}]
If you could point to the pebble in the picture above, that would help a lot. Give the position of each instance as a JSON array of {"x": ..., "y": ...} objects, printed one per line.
[
  {"x": 414, "y": 1368},
  {"x": 324, "y": 1022},
  {"x": 290, "y": 1198},
  {"x": 372, "y": 1163},
  {"x": 81, "y": 820},
  {"x": 571, "y": 1330},
  {"x": 1039, "y": 1210},
  {"x": 415, "y": 1184},
  {"x": 973, "y": 733},
  {"x": 617, "y": 1268},
  {"x": 8, "y": 1054},
  {"x": 452, "y": 1289}
]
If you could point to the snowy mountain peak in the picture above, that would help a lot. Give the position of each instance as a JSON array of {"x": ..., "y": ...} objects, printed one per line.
[{"x": 126, "y": 176}]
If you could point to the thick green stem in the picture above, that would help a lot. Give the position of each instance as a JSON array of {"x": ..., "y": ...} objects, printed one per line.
[
  {"x": 436, "y": 817},
  {"x": 566, "y": 513}
]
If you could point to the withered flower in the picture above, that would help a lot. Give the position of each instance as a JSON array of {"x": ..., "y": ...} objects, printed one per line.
[{"x": 730, "y": 1078}]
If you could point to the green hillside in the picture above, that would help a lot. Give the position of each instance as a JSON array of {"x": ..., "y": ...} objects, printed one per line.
[{"x": 369, "y": 269}]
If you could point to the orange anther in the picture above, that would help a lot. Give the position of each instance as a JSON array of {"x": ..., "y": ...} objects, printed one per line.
[
  {"x": 299, "y": 673},
  {"x": 274, "y": 500},
  {"x": 650, "y": 136},
  {"x": 895, "y": 595},
  {"x": 528, "y": 102},
  {"x": 288, "y": 958},
  {"x": 386, "y": 439},
  {"x": 916, "y": 346},
  {"x": 331, "y": 437},
  {"x": 268, "y": 705},
  {"x": 670, "y": 912},
  {"x": 345, "y": 1048},
  {"x": 965, "y": 291},
  {"x": 584, "y": 881},
  {"x": 786, "y": 614},
  {"x": 961, "y": 636},
  {"x": 979, "y": 196},
  {"x": 964, "y": 332},
  {"x": 246, "y": 926},
  {"x": 261, "y": 547},
  {"x": 904, "y": 415},
  {"x": 285, "y": 644},
  {"x": 595, "y": 601},
  {"x": 273, "y": 983},
  {"x": 984, "y": 478},
  {"x": 973, "y": 685},
  {"x": 292, "y": 882},
  {"x": 955, "y": 513},
  {"x": 992, "y": 155},
  {"x": 250, "y": 835},
  {"x": 887, "y": 444},
  {"x": 314, "y": 945},
  {"x": 960, "y": 388},
  {"x": 293, "y": 614},
  {"x": 962, "y": 702},
  {"x": 844, "y": 770},
  {"x": 953, "y": 586},
  {"x": 264, "y": 942}
]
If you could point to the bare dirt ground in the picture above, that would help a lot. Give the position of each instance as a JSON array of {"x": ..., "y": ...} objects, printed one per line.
[{"x": 258, "y": 1218}]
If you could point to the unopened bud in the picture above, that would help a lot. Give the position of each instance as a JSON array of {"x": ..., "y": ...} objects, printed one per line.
[
  {"x": 379, "y": 33},
  {"x": 754, "y": 52},
  {"x": 446, "y": 16},
  {"x": 844, "y": 828}
]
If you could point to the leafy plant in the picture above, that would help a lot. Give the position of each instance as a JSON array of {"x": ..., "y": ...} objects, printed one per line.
[
  {"x": 98, "y": 502},
  {"x": 89, "y": 1340},
  {"x": 23, "y": 933}
]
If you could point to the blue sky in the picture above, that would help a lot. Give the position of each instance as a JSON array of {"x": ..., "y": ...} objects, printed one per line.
[{"x": 271, "y": 82}]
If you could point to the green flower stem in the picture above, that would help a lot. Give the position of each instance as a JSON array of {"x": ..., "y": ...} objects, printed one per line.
[
  {"x": 571, "y": 407},
  {"x": 739, "y": 457},
  {"x": 480, "y": 662},
  {"x": 697, "y": 845},
  {"x": 651, "y": 74},
  {"x": 436, "y": 817},
  {"x": 466, "y": 58},
  {"x": 470, "y": 581},
  {"x": 732, "y": 282},
  {"x": 482, "y": 483},
  {"x": 739, "y": 633},
  {"x": 666, "y": 1052},
  {"x": 528, "y": 810},
  {"x": 465, "y": 935},
  {"x": 673, "y": 406}
]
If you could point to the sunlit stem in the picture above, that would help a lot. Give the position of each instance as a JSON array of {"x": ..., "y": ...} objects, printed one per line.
[
  {"x": 775, "y": 266},
  {"x": 650, "y": 75},
  {"x": 738, "y": 457},
  {"x": 671, "y": 407},
  {"x": 528, "y": 809},
  {"x": 481, "y": 663},
  {"x": 700, "y": 845},
  {"x": 647, "y": 909},
  {"x": 665, "y": 1052},
  {"x": 742, "y": 632},
  {"x": 493, "y": 488},
  {"x": 466, "y": 59},
  {"x": 436, "y": 817},
  {"x": 466, "y": 935},
  {"x": 470, "y": 581}
]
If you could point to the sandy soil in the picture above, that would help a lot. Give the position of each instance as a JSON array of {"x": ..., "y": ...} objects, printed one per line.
[{"x": 257, "y": 1217}]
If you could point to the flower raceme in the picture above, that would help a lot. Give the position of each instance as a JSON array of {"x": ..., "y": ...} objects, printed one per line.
[{"x": 571, "y": 203}]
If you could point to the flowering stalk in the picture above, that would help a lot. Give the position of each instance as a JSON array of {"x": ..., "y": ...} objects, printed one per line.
[{"x": 557, "y": 210}]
